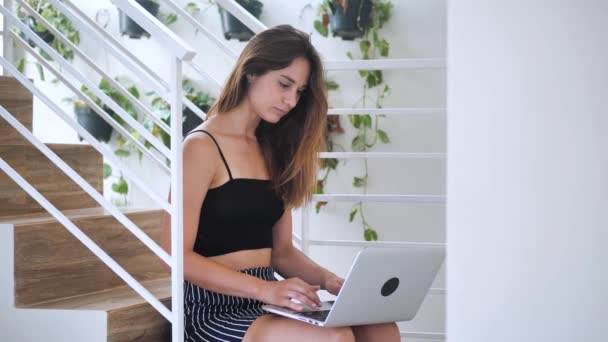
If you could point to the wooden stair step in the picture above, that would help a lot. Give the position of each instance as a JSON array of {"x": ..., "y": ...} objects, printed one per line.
[
  {"x": 130, "y": 317},
  {"x": 18, "y": 101},
  {"x": 51, "y": 264},
  {"x": 47, "y": 178}
]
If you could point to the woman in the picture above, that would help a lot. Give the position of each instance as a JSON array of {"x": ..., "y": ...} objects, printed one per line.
[{"x": 253, "y": 160}]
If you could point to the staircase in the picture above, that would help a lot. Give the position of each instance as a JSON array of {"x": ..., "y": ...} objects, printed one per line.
[{"x": 49, "y": 280}]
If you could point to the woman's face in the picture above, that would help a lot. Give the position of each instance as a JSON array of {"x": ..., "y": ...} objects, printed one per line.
[{"x": 273, "y": 94}]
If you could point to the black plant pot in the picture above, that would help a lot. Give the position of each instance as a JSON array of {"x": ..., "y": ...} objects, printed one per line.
[
  {"x": 130, "y": 27},
  {"x": 93, "y": 123},
  {"x": 354, "y": 22},
  {"x": 233, "y": 28},
  {"x": 45, "y": 35},
  {"x": 191, "y": 120}
]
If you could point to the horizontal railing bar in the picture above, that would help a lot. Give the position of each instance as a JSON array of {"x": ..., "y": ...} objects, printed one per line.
[
  {"x": 109, "y": 155},
  {"x": 381, "y": 155},
  {"x": 136, "y": 102},
  {"x": 438, "y": 291},
  {"x": 253, "y": 23},
  {"x": 92, "y": 87},
  {"x": 173, "y": 43},
  {"x": 376, "y": 244},
  {"x": 87, "y": 25},
  {"x": 108, "y": 118},
  {"x": 425, "y": 335},
  {"x": 385, "y": 64},
  {"x": 198, "y": 26},
  {"x": 386, "y": 111},
  {"x": 73, "y": 175},
  {"x": 379, "y": 198},
  {"x": 90, "y": 244}
]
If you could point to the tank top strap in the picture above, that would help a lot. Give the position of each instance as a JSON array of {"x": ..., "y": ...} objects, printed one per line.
[{"x": 218, "y": 148}]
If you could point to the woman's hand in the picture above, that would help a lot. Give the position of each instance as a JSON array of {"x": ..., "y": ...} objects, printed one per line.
[
  {"x": 281, "y": 292},
  {"x": 332, "y": 283}
]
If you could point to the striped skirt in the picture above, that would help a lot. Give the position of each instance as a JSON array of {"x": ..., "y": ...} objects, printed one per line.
[{"x": 210, "y": 316}]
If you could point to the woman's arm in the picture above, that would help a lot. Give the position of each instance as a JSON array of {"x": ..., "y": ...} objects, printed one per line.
[{"x": 290, "y": 262}]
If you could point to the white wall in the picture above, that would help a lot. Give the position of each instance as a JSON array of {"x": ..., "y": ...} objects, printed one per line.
[{"x": 527, "y": 171}]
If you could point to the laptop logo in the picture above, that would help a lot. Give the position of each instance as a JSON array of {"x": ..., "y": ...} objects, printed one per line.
[{"x": 389, "y": 287}]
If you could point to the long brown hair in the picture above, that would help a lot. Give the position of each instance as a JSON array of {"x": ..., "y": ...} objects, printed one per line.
[{"x": 290, "y": 146}]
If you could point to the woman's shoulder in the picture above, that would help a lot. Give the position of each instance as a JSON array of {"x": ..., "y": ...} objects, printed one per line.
[{"x": 199, "y": 145}]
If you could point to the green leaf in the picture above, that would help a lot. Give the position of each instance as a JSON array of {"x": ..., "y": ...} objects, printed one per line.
[
  {"x": 121, "y": 187},
  {"x": 384, "y": 47},
  {"x": 349, "y": 55},
  {"x": 107, "y": 170},
  {"x": 359, "y": 182},
  {"x": 192, "y": 8},
  {"x": 322, "y": 29},
  {"x": 331, "y": 85},
  {"x": 319, "y": 189},
  {"x": 352, "y": 214},
  {"x": 383, "y": 136},
  {"x": 133, "y": 91},
  {"x": 171, "y": 18},
  {"x": 122, "y": 153},
  {"x": 370, "y": 234},
  {"x": 364, "y": 46},
  {"x": 358, "y": 144},
  {"x": 40, "y": 71},
  {"x": 366, "y": 120},
  {"x": 330, "y": 163},
  {"x": 355, "y": 120},
  {"x": 21, "y": 65},
  {"x": 363, "y": 73}
]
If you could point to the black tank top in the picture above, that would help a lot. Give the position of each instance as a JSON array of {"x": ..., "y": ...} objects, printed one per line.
[{"x": 237, "y": 215}]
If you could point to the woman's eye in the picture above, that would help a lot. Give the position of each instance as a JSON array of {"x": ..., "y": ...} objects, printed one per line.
[{"x": 283, "y": 85}]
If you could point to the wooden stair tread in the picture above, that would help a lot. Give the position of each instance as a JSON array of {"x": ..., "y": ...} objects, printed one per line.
[
  {"x": 44, "y": 217},
  {"x": 11, "y": 89},
  {"x": 112, "y": 299}
]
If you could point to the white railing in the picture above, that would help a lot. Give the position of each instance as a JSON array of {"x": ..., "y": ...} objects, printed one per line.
[{"x": 170, "y": 91}]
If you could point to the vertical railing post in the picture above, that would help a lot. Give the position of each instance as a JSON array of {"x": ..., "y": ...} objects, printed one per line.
[
  {"x": 305, "y": 236},
  {"x": 7, "y": 40},
  {"x": 177, "y": 213}
]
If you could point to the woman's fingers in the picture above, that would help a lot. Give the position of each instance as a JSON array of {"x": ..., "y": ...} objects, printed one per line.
[
  {"x": 309, "y": 291},
  {"x": 303, "y": 299}
]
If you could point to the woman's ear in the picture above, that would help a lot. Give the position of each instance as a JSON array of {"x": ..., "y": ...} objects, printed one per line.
[{"x": 250, "y": 78}]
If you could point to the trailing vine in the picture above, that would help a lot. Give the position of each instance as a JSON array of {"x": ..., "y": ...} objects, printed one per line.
[{"x": 367, "y": 129}]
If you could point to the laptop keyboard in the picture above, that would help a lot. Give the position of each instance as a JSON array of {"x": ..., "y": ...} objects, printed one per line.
[{"x": 317, "y": 315}]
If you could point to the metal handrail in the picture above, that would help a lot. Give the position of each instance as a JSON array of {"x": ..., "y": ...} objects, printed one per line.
[
  {"x": 92, "y": 87},
  {"x": 136, "y": 102},
  {"x": 73, "y": 175},
  {"x": 94, "y": 106},
  {"x": 109, "y": 155}
]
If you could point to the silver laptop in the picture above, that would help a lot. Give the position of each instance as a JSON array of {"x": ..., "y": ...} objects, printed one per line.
[{"x": 383, "y": 285}]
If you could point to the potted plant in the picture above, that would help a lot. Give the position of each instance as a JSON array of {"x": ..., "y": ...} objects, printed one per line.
[
  {"x": 57, "y": 20},
  {"x": 233, "y": 28},
  {"x": 130, "y": 28},
  {"x": 190, "y": 120},
  {"x": 92, "y": 122},
  {"x": 348, "y": 19}
]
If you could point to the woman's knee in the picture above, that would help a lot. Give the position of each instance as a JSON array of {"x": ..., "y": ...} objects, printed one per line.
[{"x": 342, "y": 334}]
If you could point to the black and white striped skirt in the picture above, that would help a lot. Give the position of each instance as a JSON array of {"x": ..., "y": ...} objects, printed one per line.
[{"x": 210, "y": 316}]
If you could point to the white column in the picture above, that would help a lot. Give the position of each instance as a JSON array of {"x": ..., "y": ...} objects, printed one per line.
[{"x": 527, "y": 215}]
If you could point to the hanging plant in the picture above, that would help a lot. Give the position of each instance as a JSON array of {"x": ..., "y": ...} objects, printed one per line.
[
  {"x": 233, "y": 28},
  {"x": 58, "y": 21},
  {"x": 132, "y": 29},
  {"x": 367, "y": 130}
]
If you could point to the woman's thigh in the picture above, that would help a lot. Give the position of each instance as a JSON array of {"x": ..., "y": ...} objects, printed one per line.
[
  {"x": 277, "y": 328},
  {"x": 386, "y": 332}
]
